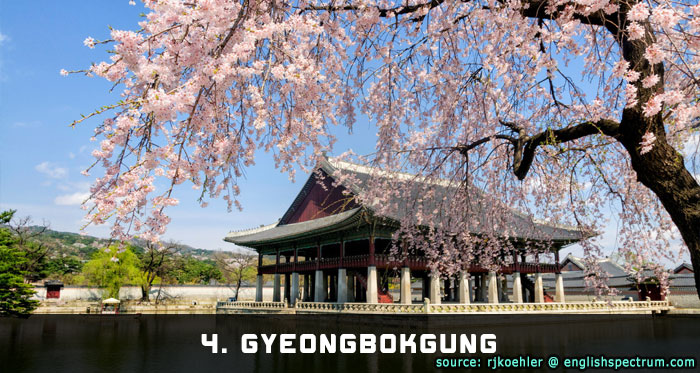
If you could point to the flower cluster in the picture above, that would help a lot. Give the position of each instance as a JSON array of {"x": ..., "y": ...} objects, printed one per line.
[{"x": 207, "y": 84}]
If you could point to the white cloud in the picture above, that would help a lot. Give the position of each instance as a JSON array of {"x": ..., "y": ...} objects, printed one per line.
[
  {"x": 51, "y": 170},
  {"x": 3, "y": 38},
  {"x": 33, "y": 123},
  {"x": 76, "y": 198}
]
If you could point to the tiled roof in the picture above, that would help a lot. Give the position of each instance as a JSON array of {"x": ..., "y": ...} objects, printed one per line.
[
  {"x": 523, "y": 226},
  {"x": 278, "y": 233}
]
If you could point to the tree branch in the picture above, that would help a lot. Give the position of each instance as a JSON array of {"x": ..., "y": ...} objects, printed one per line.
[
  {"x": 526, "y": 146},
  {"x": 383, "y": 12}
]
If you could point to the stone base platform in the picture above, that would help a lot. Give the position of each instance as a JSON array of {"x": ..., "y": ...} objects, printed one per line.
[{"x": 615, "y": 307}]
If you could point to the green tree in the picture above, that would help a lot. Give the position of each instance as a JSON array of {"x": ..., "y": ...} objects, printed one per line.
[
  {"x": 14, "y": 292},
  {"x": 156, "y": 260},
  {"x": 28, "y": 240},
  {"x": 112, "y": 268},
  {"x": 237, "y": 268},
  {"x": 193, "y": 271}
]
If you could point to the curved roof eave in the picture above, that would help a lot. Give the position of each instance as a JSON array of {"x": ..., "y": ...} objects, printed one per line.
[{"x": 288, "y": 232}]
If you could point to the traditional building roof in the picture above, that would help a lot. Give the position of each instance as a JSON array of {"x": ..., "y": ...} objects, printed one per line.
[
  {"x": 577, "y": 262},
  {"x": 323, "y": 206},
  {"x": 684, "y": 267},
  {"x": 607, "y": 265},
  {"x": 279, "y": 233}
]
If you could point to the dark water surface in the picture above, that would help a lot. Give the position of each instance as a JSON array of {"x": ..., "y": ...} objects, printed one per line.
[{"x": 172, "y": 343}]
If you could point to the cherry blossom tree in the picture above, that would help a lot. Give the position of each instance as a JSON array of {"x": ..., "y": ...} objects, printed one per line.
[{"x": 562, "y": 109}]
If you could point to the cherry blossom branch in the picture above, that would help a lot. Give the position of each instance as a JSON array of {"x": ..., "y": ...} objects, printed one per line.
[{"x": 526, "y": 146}]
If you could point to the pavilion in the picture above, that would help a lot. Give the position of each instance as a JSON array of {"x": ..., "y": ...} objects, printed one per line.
[{"x": 332, "y": 249}]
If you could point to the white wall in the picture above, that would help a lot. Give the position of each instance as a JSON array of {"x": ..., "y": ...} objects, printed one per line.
[{"x": 174, "y": 292}]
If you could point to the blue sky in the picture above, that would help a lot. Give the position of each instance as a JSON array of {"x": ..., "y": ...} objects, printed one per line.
[{"x": 42, "y": 156}]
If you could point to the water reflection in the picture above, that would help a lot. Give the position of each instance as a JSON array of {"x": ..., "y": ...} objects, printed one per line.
[{"x": 172, "y": 342}]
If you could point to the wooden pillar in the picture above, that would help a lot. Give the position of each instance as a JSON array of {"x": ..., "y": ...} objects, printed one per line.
[{"x": 371, "y": 251}]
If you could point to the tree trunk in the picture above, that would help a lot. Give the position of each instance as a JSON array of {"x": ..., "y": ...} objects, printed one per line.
[
  {"x": 145, "y": 290},
  {"x": 238, "y": 285},
  {"x": 663, "y": 171}
]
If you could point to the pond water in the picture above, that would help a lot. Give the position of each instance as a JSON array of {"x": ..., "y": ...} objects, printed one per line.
[{"x": 173, "y": 343}]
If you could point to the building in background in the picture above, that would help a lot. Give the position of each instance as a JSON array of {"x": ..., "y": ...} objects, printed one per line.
[{"x": 329, "y": 248}]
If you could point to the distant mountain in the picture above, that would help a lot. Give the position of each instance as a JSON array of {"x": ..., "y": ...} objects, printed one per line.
[{"x": 82, "y": 246}]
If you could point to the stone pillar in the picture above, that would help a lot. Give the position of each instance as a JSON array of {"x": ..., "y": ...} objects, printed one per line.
[
  {"x": 342, "y": 286},
  {"x": 325, "y": 287},
  {"x": 307, "y": 288},
  {"x": 351, "y": 287},
  {"x": 288, "y": 288},
  {"x": 559, "y": 295},
  {"x": 259, "y": 289},
  {"x": 517, "y": 288},
  {"x": 539, "y": 289},
  {"x": 463, "y": 296},
  {"x": 435, "y": 297},
  {"x": 504, "y": 288},
  {"x": 319, "y": 294},
  {"x": 295, "y": 289},
  {"x": 493, "y": 288},
  {"x": 372, "y": 293},
  {"x": 406, "y": 285},
  {"x": 276, "y": 296}
]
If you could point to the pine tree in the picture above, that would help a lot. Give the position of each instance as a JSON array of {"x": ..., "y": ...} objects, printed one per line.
[{"x": 14, "y": 292}]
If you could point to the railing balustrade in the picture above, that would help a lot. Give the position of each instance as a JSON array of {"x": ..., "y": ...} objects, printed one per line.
[{"x": 447, "y": 308}]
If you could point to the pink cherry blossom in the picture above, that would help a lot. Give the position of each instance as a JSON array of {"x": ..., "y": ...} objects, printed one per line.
[
  {"x": 650, "y": 81},
  {"x": 638, "y": 12},
  {"x": 455, "y": 90},
  {"x": 647, "y": 143}
]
